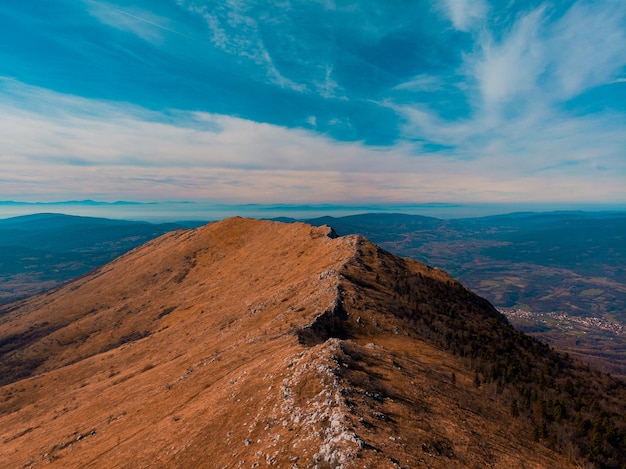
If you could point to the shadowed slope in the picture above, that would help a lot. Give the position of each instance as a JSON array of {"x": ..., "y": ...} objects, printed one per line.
[{"x": 248, "y": 343}]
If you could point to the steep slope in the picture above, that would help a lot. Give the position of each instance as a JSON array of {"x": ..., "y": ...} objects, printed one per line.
[
  {"x": 251, "y": 343},
  {"x": 560, "y": 276}
]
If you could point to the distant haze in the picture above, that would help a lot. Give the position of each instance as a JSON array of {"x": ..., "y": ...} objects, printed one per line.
[{"x": 177, "y": 211}]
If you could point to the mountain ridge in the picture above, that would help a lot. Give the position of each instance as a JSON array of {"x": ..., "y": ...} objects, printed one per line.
[{"x": 253, "y": 342}]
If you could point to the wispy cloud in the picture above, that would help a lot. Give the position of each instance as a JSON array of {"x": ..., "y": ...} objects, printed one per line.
[
  {"x": 587, "y": 46},
  {"x": 236, "y": 31},
  {"x": 509, "y": 69},
  {"x": 549, "y": 58},
  {"x": 518, "y": 83},
  {"x": 421, "y": 82},
  {"x": 465, "y": 14},
  {"x": 143, "y": 23}
]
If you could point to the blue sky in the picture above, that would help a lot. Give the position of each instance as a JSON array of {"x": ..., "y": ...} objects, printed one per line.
[{"x": 313, "y": 101}]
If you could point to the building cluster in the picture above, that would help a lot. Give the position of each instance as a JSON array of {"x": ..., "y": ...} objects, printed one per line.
[{"x": 594, "y": 322}]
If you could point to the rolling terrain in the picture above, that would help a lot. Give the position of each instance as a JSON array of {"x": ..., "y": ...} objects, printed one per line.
[{"x": 251, "y": 343}]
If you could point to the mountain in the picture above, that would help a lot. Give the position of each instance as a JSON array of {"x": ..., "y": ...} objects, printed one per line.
[
  {"x": 560, "y": 276},
  {"x": 39, "y": 252},
  {"x": 255, "y": 343}
]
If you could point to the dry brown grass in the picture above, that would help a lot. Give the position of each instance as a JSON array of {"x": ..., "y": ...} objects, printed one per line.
[{"x": 189, "y": 352}]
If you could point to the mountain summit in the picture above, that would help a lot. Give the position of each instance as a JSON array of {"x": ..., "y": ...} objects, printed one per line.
[{"x": 251, "y": 343}]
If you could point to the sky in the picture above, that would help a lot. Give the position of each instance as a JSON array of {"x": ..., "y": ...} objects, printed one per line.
[{"x": 313, "y": 101}]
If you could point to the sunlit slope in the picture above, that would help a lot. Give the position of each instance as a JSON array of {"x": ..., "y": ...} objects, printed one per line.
[{"x": 248, "y": 343}]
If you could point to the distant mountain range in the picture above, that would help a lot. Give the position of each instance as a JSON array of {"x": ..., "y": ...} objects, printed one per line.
[
  {"x": 74, "y": 202},
  {"x": 251, "y": 343}
]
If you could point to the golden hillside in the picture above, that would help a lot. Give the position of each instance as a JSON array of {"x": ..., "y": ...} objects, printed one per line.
[{"x": 251, "y": 343}]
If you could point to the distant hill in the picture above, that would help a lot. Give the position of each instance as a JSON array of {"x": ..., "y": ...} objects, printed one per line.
[
  {"x": 250, "y": 343},
  {"x": 39, "y": 252}
]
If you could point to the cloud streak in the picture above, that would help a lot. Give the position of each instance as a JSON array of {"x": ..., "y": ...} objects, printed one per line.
[{"x": 144, "y": 24}]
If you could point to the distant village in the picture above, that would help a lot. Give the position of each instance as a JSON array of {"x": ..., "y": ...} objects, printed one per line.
[{"x": 586, "y": 321}]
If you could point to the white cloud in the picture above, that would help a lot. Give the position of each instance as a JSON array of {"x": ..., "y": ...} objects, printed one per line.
[
  {"x": 465, "y": 15},
  {"x": 587, "y": 46},
  {"x": 421, "y": 82},
  {"x": 122, "y": 152},
  {"x": 518, "y": 128},
  {"x": 328, "y": 87},
  {"x": 510, "y": 69},
  {"x": 537, "y": 155},
  {"x": 547, "y": 60}
]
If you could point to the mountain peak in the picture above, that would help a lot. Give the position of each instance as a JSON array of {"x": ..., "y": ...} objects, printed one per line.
[{"x": 248, "y": 343}]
